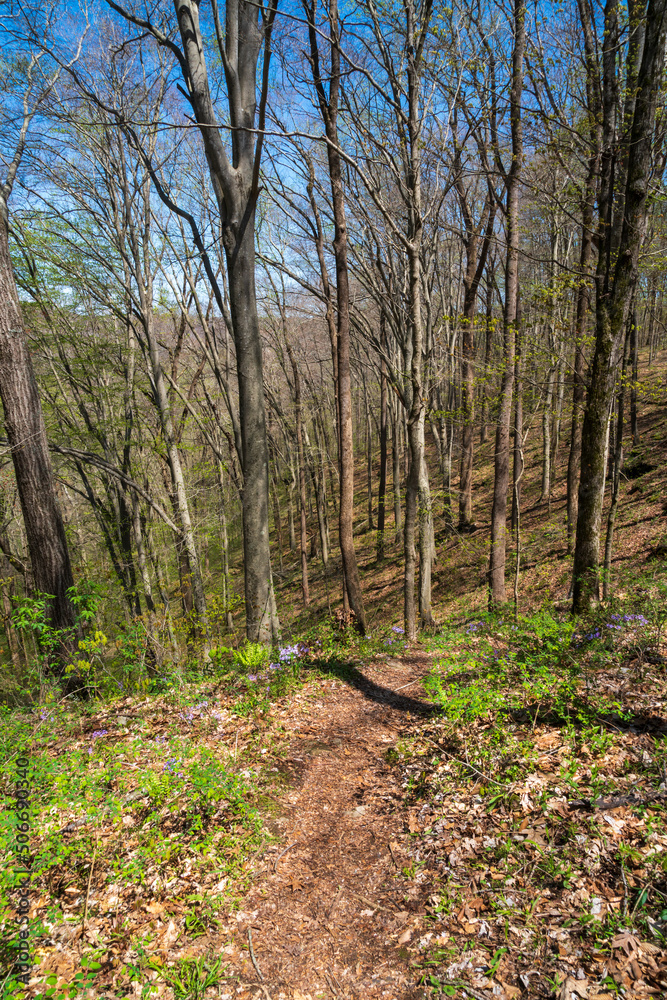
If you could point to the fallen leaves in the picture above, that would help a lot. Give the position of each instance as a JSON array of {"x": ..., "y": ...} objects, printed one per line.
[
  {"x": 627, "y": 941},
  {"x": 573, "y": 988}
]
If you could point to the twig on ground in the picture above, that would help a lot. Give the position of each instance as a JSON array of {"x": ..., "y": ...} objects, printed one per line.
[
  {"x": 621, "y": 800},
  {"x": 624, "y": 911},
  {"x": 478, "y": 994},
  {"x": 90, "y": 879},
  {"x": 409, "y": 684},
  {"x": 283, "y": 853},
  {"x": 368, "y": 902},
  {"x": 330, "y": 982},
  {"x": 252, "y": 957},
  {"x": 336, "y": 898},
  {"x": 464, "y": 763}
]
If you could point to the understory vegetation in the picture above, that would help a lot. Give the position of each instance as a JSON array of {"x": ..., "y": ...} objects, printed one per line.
[{"x": 533, "y": 806}]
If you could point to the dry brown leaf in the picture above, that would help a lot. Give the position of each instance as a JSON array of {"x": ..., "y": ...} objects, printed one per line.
[
  {"x": 168, "y": 936},
  {"x": 573, "y": 988},
  {"x": 510, "y": 991},
  {"x": 627, "y": 941},
  {"x": 405, "y": 936}
]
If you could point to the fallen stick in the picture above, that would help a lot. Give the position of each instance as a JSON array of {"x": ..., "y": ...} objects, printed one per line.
[
  {"x": 283, "y": 853},
  {"x": 252, "y": 957}
]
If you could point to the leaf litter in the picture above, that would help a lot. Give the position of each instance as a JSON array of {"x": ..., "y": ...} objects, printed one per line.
[{"x": 374, "y": 848}]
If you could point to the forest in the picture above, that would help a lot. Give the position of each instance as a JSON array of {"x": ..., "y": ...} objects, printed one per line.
[{"x": 333, "y": 383}]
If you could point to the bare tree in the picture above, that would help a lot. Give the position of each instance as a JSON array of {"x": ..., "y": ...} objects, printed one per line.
[
  {"x": 512, "y": 181},
  {"x": 23, "y": 418},
  {"x": 235, "y": 175},
  {"x": 328, "y": 104},
  {"x": 625, "y": 175}
]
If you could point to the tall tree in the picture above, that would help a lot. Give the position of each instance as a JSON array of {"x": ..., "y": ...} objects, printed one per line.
[
  {"x": 626, "y": 168},
  {"x": 328, "y": 104},
  {"x": 512, "y": 181},
  {"x": 24, "y": 421},
  {"x": 235, "y": 175}
]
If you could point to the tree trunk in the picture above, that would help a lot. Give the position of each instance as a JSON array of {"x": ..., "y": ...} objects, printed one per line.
[
  {"x": 369, "y": 461},
  {"x": 617, "y": 270},
  {"x": 26, "y": 432},
  {"x": 186, "y": 544},
  {"x": 634, "y": 356},
  {"x": 616, "y": 474},
  {"x": 545, "y": 493},
  {"x": 153, "y": 657},
  {"x": 303, "y": 535},
  {"x": 517, "y": 466},
  {"x": 382, "y": 487},
  {"x": 581, "y": 320},
  {"x": 497, "y": 594},
  {"x": 226, "y": 581},
  {"x": 396, "y": 468},
  {"x": 329, "y": 110},
  {"x": 261, "y": 616},
  {"x": 488, "y": 339},
  {"x": 467, "y": 420}
]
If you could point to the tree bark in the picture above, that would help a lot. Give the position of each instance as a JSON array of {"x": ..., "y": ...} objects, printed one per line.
[
  {"x": 382, "y": 486},
  {"x": 583, "y": 297},
  {"x": 303, "y": 536},
  {"x": 622, "y": 211},
  {"x": 497, "y": 595},
  {"x": 517, "y": 465},
  {"x": 617, "y": 466},
  {"x": 328, "y": 105},
  {"x": 26, "y": 432},
  {"x": 634, "y": 359},
  {"x": 396, "y": 468}
]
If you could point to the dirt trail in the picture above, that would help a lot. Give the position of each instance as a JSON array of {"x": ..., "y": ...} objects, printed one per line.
[{"x": 332, "y": 915}]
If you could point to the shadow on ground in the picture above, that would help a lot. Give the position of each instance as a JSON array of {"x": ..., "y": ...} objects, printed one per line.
[{"x": 351, "y": 675}]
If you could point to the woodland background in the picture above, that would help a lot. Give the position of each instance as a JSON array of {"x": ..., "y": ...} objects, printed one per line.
[{"x": 289, "y": 279}]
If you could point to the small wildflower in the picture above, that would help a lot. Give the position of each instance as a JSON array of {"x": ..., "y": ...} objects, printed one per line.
[
  {"x": 395, "y": 628},
  {"x": 252, "y": 677}
]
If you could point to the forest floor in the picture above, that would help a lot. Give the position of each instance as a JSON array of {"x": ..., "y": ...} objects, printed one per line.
[
  {"x": 478, "y": 815},
  {"x": 500, "y": 835}
]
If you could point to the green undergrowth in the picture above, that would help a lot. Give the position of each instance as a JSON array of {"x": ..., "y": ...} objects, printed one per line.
[
  {"x": 538, "y": 794},
  {"x": 158, "y": 794},
  {"x": 546, "y": 665}
]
